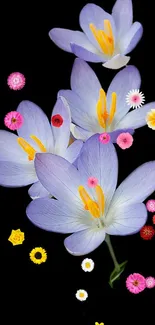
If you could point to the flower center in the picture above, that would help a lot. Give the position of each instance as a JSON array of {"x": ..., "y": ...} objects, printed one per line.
[
  {"x": 81, "y": 294},
  {"x": 13, "y": 120},
  {"x": 87, "y": 265},
  {"x": 135, "y": 283},
  {"x": 38, "y": 255},
  {"x": 16, "y": 80},
  {"x": 28, "y": 148},
  {"x": 105, "y": 118},
  {"x": 135, "y": 98},
  {"x": 104, "y": 38},
  {"x": 96, "y": 208}
]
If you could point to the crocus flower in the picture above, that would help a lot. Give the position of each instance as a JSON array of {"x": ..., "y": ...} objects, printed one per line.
[
  {"x": 17, "y": 152},
  {"x": 90, "y": 213},
  {"x": 94, "y": 111},
  {"x": 105, "y": 38}
]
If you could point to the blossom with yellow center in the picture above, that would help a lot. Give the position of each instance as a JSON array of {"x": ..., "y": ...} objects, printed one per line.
[
  {"x": 106, "y": 38},
  {"x": 95, "y": 110},
  {"x": 87, "y": 265},
  {"x": 38, "y": 255},
  {"x": 17, "y": 237},
  {"x": 36, "y": 135},
  {"x": 81, "y": 295},
  {"x": 150, "y": 119}
]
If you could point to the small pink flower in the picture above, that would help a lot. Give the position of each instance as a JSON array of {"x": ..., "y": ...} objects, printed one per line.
[
  {"x": 16, "y": 81},
  {"x": 104, "y": 137},
  {"x": 92, "y": 181},
  {"x": 13, "y": 120},
  {"x": 124, "y": 140},
  {"x": 135, "y": 283},
  {"x": 150, "y": 205},
  {"x": 150, "y": 282},
  {"x": 135, "y": 98}
]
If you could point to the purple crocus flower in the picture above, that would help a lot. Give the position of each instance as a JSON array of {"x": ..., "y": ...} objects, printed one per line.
[
  {"x": 90, "y": 212},
  {"x": 94, "y": 111},
  {"x": 17, "y": 153},
  {"x": 105, "y": 38}
]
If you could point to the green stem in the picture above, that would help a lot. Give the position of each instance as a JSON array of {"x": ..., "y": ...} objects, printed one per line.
[{"x": 108, "y": 241}]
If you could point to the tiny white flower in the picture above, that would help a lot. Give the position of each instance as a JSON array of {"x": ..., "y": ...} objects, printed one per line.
[
  {"x": 87, "y": 265},
  {"x": 135, "y": 98},
  {"x": 81, "y": 295}
]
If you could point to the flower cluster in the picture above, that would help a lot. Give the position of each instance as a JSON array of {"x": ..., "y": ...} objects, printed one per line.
[
  {"x": 148, "y": 232},
  {"x": 82, "y": 175},
  {"x": 136, "y": 283}
]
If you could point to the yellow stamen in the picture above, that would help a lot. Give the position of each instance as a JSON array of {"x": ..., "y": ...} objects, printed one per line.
[
  {"x": 113, "y": 107},
  {"x": 104, "y": 38},
  {"x": 100, "y": 198},
  {"x": 109, "y": 33},
  {"x": 84, "y": 196},
  {"x": 101, "y": 108},
  {"x": 27, "y": 148},
  {"x": 93, "y": 209},
  {"x": 39, "y": 143},
  {"x": 99, "y": 38}
]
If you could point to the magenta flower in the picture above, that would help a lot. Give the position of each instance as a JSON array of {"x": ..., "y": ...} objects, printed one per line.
[
  {"x": 150, "y": 205},
  {"x": 135, "y": 283},
  {"x": 13, "y": 120},
  {"x": 16, "y": 81},
  {"x": 124, "y": 140},
  {"x": 106, "y": 38},
  {"x": 104, "y": 137},
  {"x": 150, "y": 282},
  {"x": 92, "y": 182}
]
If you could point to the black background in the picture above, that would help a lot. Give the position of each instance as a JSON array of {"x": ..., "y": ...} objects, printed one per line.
[{"x": 27, "y": 48}]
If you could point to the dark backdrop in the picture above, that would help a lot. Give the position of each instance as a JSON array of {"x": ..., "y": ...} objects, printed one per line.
[{"x": 27, "y": 48}]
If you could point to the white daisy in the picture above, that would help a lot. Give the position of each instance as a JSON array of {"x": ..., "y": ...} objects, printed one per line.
[
  {"x": 87, "y": 265},
  {"x": 81, "y": 295},
  {"x": 135, "y": 98}
]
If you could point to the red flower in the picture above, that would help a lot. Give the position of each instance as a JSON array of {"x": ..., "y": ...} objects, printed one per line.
[
  {"x": 57, "y": 120},
  {"x": 147, "y": 232},
  {"x": 153, "y": 219}
]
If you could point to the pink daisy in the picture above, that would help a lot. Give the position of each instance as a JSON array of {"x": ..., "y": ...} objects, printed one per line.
[
  {"x": 92, "y": 181},
  {"x": 124, "y": 140},
  {"x": 16, "y": 81},
  {"x": 104, "y": 137},
  {"x": 135, "y": 283},
  {"x": 150, "y": 205},
  {"x": 150, "y": 282},
  {"x": 135, "y": 98},
  {"x": 13, "y": 120}
]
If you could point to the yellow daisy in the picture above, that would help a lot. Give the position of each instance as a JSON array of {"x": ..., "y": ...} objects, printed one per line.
[
  {"x": 38, "y": 255},
  {"x": 17, "y": 237},
  {"x": 99, "y": 324},
  {"x": 150, "y": 119}
]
